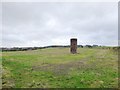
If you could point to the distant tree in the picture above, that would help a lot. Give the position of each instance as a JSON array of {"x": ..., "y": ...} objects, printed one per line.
[
  {"x": 89, "y": 46},
  {"x": 80, "y": 46},
  {"x": 95, "y": 45}
]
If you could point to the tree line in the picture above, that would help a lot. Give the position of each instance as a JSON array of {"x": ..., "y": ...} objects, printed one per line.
[{"x": 54, "y": 46}]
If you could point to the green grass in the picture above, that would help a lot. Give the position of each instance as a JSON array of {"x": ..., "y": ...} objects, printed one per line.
[{"x": 57, "y": 68}]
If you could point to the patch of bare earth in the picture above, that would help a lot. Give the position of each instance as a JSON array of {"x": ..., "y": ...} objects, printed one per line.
[{"x": 60, "y": 69}]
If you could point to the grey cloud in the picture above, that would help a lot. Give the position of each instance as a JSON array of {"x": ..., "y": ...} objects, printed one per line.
[{"x": 41, "y": 24}]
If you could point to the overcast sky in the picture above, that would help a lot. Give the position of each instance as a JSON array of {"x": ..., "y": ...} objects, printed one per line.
[{"x": 45, "y": 23}]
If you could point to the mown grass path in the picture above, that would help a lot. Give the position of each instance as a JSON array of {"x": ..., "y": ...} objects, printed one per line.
[{"x": 57, "y": 68}]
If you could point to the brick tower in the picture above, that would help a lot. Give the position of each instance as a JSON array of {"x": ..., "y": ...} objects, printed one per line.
[{"x": 73, "y": 46}]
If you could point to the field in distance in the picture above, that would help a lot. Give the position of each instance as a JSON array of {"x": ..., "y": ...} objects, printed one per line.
[{"x": 57, "y": 68}]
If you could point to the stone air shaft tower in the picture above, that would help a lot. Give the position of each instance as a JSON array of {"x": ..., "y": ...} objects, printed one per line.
[{"x": 73, "y": 45}]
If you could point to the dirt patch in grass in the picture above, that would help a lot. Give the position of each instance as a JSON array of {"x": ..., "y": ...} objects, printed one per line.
[{"x": 60, "y": 69}]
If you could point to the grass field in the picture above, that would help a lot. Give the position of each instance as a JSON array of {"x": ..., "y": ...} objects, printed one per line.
[{"x": 57, "y": 68}]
